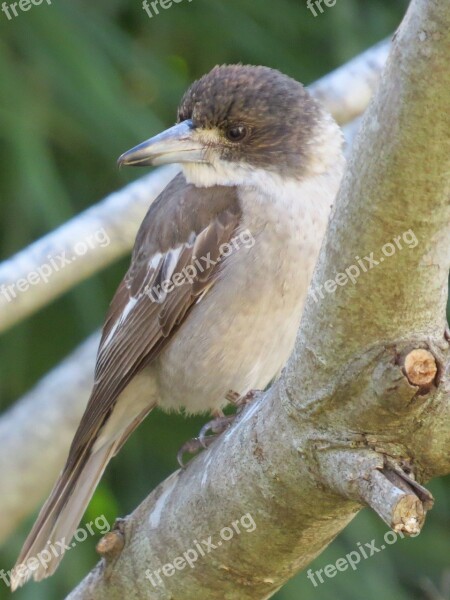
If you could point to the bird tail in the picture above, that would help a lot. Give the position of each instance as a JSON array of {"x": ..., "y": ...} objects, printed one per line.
[{"x": 60, "y": 516}]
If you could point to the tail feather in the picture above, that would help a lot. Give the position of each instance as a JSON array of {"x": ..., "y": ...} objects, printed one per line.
[
  {"x": 60, "y": 516},
  {"x": 62, "y": 512}
]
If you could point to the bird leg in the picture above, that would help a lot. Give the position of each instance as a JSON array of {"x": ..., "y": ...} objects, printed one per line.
[
  {"x": 216, "y": 426},
  {"x": 240, "y": 402},
  {"x": 192, "y": 447}
]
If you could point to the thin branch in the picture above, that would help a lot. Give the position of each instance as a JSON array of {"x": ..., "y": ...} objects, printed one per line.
[
  {"x": 36, "y": 433},
  {"x": 346, "y": 92},
  {"x": 81, "y": 247}
]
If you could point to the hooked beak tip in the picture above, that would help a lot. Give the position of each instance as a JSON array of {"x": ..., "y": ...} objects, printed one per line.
[{"x": 175, "y": 145}]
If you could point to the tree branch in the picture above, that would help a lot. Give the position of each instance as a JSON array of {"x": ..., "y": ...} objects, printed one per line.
[
  {"x": 346, "y": 92},
  {"x": 29, "y": 463},
  {"x": 345, "y": 425},
  {"x": 118, "y": 216}
]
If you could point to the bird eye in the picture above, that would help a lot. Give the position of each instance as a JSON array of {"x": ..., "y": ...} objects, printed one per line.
[{"x": 236, "y": 133}]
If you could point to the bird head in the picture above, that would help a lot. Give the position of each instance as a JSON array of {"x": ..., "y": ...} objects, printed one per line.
[{"x": 237, "y": 120}]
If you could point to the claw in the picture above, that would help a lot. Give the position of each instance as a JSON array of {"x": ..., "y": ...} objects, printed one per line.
[
  {"x": 217, "y": 426},
  {"x": 190, "y": 447},
  {"x": 447, "y": 332},
  {"x": 193, "y": 446}
]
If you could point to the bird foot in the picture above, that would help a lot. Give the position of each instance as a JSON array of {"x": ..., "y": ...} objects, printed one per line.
[
  {"x": 240, "y": 402},
  {"x": 192, "y": 447},
  {"x": 217, "y": 426}
]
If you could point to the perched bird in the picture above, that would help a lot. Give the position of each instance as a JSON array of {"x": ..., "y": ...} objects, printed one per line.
[{"x": 213, "y": 297}]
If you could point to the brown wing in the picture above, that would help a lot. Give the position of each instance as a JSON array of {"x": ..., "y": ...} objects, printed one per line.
[{"x": 184, "y": 225}]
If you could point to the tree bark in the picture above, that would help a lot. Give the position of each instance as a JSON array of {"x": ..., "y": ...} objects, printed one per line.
[{"x": 360, "y": 414}]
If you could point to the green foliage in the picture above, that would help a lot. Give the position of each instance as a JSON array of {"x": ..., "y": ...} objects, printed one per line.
[{"x": 83, "y": 81}]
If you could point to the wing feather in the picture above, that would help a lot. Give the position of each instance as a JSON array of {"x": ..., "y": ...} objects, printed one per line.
[{"x": 139, "y": 324}]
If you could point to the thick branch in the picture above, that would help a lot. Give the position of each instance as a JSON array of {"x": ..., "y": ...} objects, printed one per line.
[{"x": 345, "y": 412}]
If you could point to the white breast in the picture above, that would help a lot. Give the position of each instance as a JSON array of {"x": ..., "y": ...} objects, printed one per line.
[{"x": 242, "y": 332}]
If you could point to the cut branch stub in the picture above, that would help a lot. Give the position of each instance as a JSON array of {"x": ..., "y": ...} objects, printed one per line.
[
  {"x": 374, "y": 480},
  {"x": 420, "y": 367},
  {"x": 407, "y": 514},
  {"x": 111, "y": 544}
]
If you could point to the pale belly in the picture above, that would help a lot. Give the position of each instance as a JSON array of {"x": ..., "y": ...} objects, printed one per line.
[
  {"x": 242, "y": 332},
  {"x": 244, "y": 344}
]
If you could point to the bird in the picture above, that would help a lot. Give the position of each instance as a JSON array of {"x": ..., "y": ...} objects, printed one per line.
[{"x": 213, "y": 297}]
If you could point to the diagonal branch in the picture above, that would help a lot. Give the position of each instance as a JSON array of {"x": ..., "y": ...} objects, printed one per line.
[
  {"x": 346, "y": 92},
  {"x": 77, "y": 249},
  {"x": 28, "y": 462}
]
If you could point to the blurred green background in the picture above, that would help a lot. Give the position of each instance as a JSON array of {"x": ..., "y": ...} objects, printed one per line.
[{"x": 82, "y": 81}]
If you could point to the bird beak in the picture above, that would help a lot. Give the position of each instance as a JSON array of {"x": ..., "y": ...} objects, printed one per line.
[{"x": 175, "y": 145}]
